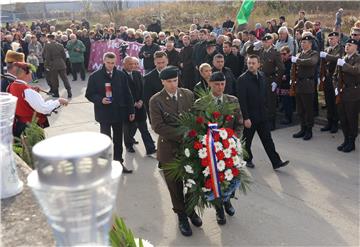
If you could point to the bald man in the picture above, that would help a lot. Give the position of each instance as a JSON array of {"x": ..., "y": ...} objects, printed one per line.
[{"x": 76, "y": 49}]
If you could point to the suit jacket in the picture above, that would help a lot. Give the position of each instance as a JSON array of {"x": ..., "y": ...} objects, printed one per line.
[
  {"x": 163, "y": 112},
  {"x": 136, "y": 87},
  {"x": 122, "y": 101},
  {"x": 152, "y": 85},
  {"x": 55, "y": 56},
  {"x": 251, "y": 92},
  {"x": 237, "y": 122}
]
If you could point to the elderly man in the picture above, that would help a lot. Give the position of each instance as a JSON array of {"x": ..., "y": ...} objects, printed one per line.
[
  {"x": 147, "y": 53},
  {"x": 286, "y": 40},
  {"x": 113, "y": 103},
  {"x": 165, "y": 106},
  {"x": 76, "y": 49},
  {"x": 171, "y": 52},
  {"x": 217, "y": 84},
  {"x": 10, "y": 76},
  {"x": 135, "y": 82}
]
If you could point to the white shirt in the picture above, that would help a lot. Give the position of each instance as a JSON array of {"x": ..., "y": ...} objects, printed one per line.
[
  {"x": 37, "y": 102},
  {"x": 171, "y": 95},
  {"x": 216, "y": 98}
]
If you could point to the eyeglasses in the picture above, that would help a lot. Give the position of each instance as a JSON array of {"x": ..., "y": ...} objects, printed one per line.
[{"x": 354, "y": 34}]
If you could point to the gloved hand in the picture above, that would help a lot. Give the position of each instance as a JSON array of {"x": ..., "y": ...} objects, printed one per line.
[
  {"x": 323, "y": 54},
  {"x": 273, "y": 86},
  {"x": 340, "y": 62},
  {"x": 294, "y": 59}
]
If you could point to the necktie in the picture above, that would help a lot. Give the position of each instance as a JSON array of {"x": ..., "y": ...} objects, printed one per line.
[
  {"x": 219, "y": 101},
  {"x": 173, "y": 98}
]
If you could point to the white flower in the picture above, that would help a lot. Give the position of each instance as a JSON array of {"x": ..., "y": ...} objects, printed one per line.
[
  {"x": 187, "y": 152},
  {"x": 227, "y": 153},
  {"x": 185, "y": 190},
  {"x": 232, "y": 143},
  {"x": 236, "y": 160},
  {"x": 242, "y": 164},
  {"x": 206, "y": 171},
  {"x": 221, "y": 165},
  {"x": 228, "y": 175},
  {"x": 218, "y": 146},
  {"x": 223, "y": 134},
  {"x": 189, "y": 183},
  {"x": 203, "y": 140},
  {"x": 202, "y": 153},
  {"x": 189, "y": 169},
  {"x": 205, "y": 189}
]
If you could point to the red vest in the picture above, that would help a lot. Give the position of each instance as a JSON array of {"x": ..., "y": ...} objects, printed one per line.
[{"x": 24, "y": 112}]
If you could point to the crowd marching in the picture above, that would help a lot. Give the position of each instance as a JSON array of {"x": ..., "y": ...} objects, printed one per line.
[{"x": 276, "y": 67}]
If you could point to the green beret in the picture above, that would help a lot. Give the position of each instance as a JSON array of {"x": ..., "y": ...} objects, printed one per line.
[
  {"x": 217, "y": 76},
  {"x": 169, "y": 72}
]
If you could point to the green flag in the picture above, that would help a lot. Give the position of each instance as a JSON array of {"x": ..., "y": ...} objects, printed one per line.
[{"x": 245, "y": 11}]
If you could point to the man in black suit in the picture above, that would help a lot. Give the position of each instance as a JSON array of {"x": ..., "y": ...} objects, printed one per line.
[
  {"x": 251, "y": 92},
  {"x": 113, "y": 105},
  {"x": 152, "y": 82},
  {"x": 218, "y": 65},
  {"x": 147, "y": 53},
  {"x": 135, "y": 82}
]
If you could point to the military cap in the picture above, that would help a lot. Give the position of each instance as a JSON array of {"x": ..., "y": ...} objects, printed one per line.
[
  {"x": 307, "y": 37},
  {"x": 352, "y": 41},
  {"x": 267, "y": 37},
  {"x": 333, "y": 34},
  {"x": 13, "y": 56},
  {"x": 169, "y": 72},
  {"x": 210, "y": 43},
  {"x": 217, "y": 76}
]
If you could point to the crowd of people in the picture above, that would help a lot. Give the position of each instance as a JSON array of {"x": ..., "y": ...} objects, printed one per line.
[{"x": 269, "y": 68}]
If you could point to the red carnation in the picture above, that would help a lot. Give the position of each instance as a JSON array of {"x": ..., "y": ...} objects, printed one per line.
[
  {"x": 197, "y": 145},
  {"x": 226, "y": 144},
  {"x": 220, "y": 155},
  {"x": 216, "y": 114},
  {"x": 205, "y": 162},
  {"x": 228, "y": 118},
  {"x": 230, "y": 132},
  {"x": 233, "y": 152},
  {"x": 235, "y": 172},
  {"x": 192, "y": 133},
  {"x": 221, "y": 177},
  {"x": 208, "y": 183},
  {"x": 229, "y": 163},
  {"x": 216, "y": 136},
  {"x": 200, "y": 120}
]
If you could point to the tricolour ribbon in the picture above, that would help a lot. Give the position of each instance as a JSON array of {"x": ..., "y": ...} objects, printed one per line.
[{"x": 210, "y": 146}]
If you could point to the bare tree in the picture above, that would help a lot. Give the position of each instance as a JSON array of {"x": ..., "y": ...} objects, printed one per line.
[{"x": 112, "y": 8}]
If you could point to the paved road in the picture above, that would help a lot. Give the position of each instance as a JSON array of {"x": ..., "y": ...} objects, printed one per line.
[{"x": 313, "y": 201}]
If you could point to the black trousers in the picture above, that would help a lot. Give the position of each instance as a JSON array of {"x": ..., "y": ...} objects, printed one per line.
[
  {"x": 76, "y": 68},
  {"x": 332, "y": 115},
  {"x": 117, "y": 134},
  {"x": 263, "y": 131},
  {"x": 349, "y": 117},
  {"x": 288, "y": 106},
  {"x": 305, "y": 109},
  {"x": 130, "y": 130}
]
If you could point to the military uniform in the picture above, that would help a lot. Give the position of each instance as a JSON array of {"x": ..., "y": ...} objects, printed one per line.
[
  {"x": 333, "y": 53},
  {"x": 273, "y": 69},
  {"x": 306, "y": 68},
  {"x": 349, "y": 105}
]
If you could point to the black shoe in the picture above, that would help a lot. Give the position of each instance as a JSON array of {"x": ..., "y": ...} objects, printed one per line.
[
  {"x": 282, "y": 164},
  {"x": 342, "y": 145},
  {"x": 308, "y": 134},
  {"x": 229, "y": 209},
  {"x": 350, "y": 146},
  {"x": 126, "y": 170},
  {"x": 250, "y": 164},
  {"x": 151, "y": 152},
  {"x": 334, "y": 128},
  {"x": 220, "y": 216},
  {"x": 69, "y": 95},
  {"x": 130, "y": 149},
  {"x": 300, "y": 134},
  {"x": 326, "y": 127},
  {"x": 195, "y": 219},
  {"x": 184, "y": 225}
]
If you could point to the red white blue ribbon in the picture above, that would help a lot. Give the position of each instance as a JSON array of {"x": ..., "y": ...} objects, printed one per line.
[{"x": 210, "y": 146}]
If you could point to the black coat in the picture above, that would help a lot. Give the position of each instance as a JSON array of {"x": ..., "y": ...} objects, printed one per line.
[
  {"x": 136, "y": 86},
  {"x": 233, "y": 62},
  {"x": 150, "y": 50},
  {"x": 188, "y": 69},
  {"x": 152, "y": 85},
  {"x": 122, "y": 101},
  {"x": 174, "y": 58},
  {"x": 251, "y": 93}
]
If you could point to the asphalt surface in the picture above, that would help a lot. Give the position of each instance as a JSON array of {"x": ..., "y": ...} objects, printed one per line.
[{"x": 312, "y": 202}]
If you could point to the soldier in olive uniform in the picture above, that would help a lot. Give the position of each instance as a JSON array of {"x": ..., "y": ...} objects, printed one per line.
[
  {"x": 306, "y": 62},
  {"x": 217, "y": 84},
  {"x": 348, "y": 89},
  {"x": 331, "y": 55},
  {"x": 273, "y": 68},
  {"x": 165, "y": 107}
]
